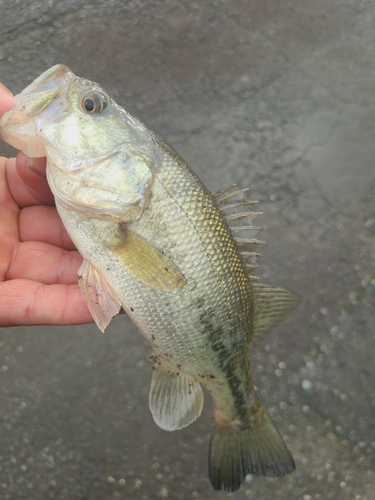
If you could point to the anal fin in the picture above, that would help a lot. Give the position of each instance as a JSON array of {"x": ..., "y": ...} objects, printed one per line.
[
  {"x": 175, "y": 399},
  {"x": 98, "y": 295}
]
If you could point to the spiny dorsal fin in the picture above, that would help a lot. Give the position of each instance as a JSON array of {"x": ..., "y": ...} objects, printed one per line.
[
  {"x": 147, "y": 263},
  {"x": 175, "y": 399},
  {"x": 271, "y": 306},
  {"x": 239, "y": 216}
]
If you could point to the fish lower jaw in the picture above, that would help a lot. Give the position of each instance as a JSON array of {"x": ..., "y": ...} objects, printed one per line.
[{"x": 22, "y": 136}]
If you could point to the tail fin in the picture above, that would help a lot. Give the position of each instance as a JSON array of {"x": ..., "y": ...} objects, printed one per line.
[{"x": 247, "y": 448}]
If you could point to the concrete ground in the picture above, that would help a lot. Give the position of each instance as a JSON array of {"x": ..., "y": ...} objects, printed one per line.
[{"x": 276, "y": 96}]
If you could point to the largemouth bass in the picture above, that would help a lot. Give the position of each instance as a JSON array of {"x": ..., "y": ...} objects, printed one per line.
[{"x": 178, "y": 259}]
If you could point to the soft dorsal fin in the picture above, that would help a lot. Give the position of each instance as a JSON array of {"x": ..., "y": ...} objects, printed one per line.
[
  {"x": 146, "y": 263},
  {"x": 271, "y": 306},
  {"x": 98, "y": 295},
  {"x": 239, "y": 216},
  {"x": 175, "y": 399}
]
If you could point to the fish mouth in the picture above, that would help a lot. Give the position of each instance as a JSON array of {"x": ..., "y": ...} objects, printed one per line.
[
  {"x": 21, "y": 125},
  {"x": 52, "y": 77},
  {"x": 42, "y": 91}
]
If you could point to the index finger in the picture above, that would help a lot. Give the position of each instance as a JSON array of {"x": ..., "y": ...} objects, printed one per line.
[
  {"x": 32, "y": 172},
  {"x": 27, "y": 187}
]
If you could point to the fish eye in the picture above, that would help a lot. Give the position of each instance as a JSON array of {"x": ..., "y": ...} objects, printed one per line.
[{"x": 94, "y": 102}]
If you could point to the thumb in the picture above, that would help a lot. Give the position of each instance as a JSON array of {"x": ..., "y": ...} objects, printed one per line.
[{"x": 6, "y": 99}]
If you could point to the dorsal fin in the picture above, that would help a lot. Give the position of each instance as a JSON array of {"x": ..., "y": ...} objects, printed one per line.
[
  {"x": 237, "y": 211},
  {"x": 271, "y": 306}
]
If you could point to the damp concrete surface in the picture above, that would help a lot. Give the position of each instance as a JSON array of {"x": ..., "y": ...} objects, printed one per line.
[{"x": 275, "y": 96}]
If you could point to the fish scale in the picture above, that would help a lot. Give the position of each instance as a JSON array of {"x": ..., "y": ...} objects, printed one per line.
[
  {"x": 216, "y": 268},
  {"x": 178, "y": 259}
]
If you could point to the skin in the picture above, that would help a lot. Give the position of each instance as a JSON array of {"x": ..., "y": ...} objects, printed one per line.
[{"x": 38, "y": 260}]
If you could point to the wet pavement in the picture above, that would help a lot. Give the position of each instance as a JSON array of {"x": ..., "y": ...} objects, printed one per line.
[{"x": 275, "y": 96}]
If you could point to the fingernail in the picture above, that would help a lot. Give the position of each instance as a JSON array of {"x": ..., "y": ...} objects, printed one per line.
[
  {"x": 38, "y": 165},
  {"x": 25, "y": 160},
  {"x": 33, "y": 165}
]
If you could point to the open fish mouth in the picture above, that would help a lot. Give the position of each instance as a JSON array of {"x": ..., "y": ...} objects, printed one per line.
[
  {"x": 54, "y": 77},
  {"x": 45, "y": 92},
  {"x": 42, "y": 91}
]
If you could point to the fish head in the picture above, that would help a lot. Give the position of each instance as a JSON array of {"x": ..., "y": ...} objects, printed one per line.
[
  {"x": 62, "y": 113},
  {"x": 100, "y": 158}
]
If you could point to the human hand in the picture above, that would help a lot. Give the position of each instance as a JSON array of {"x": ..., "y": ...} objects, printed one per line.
[{"x": 38, "y": 260}]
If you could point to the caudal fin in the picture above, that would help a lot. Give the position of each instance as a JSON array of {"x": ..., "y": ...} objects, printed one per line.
[{"x": 247, "y": 448}]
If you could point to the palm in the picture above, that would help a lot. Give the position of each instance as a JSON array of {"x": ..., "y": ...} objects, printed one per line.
[{"x": 38, "y": 261}]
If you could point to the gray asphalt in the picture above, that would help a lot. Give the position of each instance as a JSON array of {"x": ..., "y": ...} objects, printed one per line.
[{"x": 275, "y": 96}]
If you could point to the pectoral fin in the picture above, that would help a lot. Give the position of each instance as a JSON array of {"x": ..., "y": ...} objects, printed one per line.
[
  {"x": 175, "y": 399},
  {"x": 147, "y": 263},
  {"x": 271, "y": 305},
  {"x": 98, "y": 295}
]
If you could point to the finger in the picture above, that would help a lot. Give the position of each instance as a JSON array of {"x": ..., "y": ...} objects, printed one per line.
[
  {"x": 6, "y": 99},
  {"x": 8, "y": 221},
  {"x": 32, "y": 171},
  {"x": 44, "y": 263},
  {"x": 21, "y": 192},
  {"x": 28, "y": 166},
  {"x": 42, "y": 223},
  {"x": 24, "y": 302}
]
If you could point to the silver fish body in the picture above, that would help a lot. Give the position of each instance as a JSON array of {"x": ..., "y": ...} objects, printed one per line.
[{"x": 158, "y": 244}]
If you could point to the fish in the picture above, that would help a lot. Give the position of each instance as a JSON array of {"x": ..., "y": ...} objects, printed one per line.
[{"x": 178, "y": 259}]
